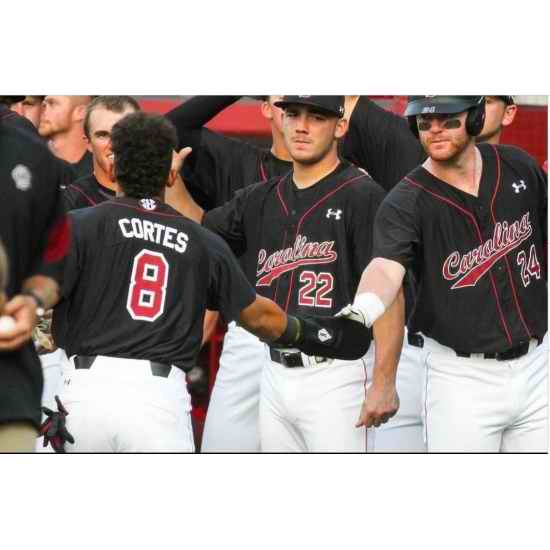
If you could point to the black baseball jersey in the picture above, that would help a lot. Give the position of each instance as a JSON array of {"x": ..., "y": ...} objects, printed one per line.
[
  {"x": 305, "y": 249},
  {"x": 480, "y": 261},
  {"x": 84, "y": 192},
  {"x": 382, "y": 143},
  {"x": 32, "y": 221},
  {"x": 83, "y": 167},
  {"x": 138, "y": 279},
  {"x": 36, "y": 236}
]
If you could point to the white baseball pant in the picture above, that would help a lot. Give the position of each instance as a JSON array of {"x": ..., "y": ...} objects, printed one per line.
[
  {"x": 313, "y": 408},
  {"x": 485, "y": 405},
  {"x": 404, "y": 432},
  {"x": 231, "y": 423},
  {"x": 118, "y": 405}
]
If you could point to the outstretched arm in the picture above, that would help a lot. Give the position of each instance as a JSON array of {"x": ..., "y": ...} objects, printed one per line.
[
  {"x": 377, "y": 291},
  {"x": 382, "y": 401}
]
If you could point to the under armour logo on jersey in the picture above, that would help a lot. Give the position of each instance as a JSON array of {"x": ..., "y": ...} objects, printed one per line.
[
  {"x": 336, "y": 213},
  {"x": 148, "y": 204},
  {"x": 22, "y": 177},
  {"x": 324, "y": 335},
  {"x": 518, "y": 187}
]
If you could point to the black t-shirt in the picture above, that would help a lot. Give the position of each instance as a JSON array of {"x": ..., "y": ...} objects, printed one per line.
[
  {"x": 84, "y": 192},
  {"x": 138, "y": 280},
  {"x": 480, "y": 262},
  {"x": 305, "y": 249}
]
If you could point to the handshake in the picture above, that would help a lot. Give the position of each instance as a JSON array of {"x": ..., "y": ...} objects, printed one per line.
[{"x": 345, "y": 336}]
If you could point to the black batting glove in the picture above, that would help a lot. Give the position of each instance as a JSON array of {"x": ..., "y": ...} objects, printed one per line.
[{"x": 53, "y": 428}]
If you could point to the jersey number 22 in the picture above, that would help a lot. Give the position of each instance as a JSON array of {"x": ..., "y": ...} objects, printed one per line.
[{"x": 147, "y": 292}]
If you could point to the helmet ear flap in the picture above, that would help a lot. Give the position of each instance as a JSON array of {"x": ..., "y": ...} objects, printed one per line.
[
  {"x": 413, "y": 126},
  {"x": 476, "y": 118}
]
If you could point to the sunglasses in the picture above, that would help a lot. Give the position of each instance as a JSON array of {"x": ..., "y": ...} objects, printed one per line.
[{"x": 424, "y": 124}]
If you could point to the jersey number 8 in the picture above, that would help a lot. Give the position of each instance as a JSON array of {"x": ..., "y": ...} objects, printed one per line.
[{"x": 147, "y": 292}]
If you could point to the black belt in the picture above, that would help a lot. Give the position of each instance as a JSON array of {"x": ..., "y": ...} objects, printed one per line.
[
  {"x": 520, "y": 350},
  {"x": 157, "y": 369},
  {"x": 291, "y": 359}
]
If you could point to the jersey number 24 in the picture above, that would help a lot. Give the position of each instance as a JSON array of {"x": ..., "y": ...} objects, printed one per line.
[{"x": 147, "y": 292}]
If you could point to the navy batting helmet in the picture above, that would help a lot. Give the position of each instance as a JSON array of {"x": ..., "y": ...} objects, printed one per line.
[{"x": 448, "y": 104}]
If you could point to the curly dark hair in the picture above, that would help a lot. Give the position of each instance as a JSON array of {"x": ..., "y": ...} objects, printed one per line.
[
  {"x": 114, "y": 103},
  {"x": 142, "y": 144}
]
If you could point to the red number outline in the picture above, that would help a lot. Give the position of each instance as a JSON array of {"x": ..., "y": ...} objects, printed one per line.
[
  {"x": 313, "y": 280},
  {"x": 310, "y": 278},
  {"x": 141, "y": 283}
]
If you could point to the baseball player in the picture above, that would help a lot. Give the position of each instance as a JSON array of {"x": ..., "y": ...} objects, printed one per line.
[
  {"x": 500, "y": 112},
  {"x": 61, "y": 124},
  {"x": 376, "y": 140},
  {"x": 304, "y": 239},
  {"x": 130, "y": 338},
  {"x": 35, "y": 233},
  {"x": 102, "y": 113},
  {"x": 472, "y": 224}
]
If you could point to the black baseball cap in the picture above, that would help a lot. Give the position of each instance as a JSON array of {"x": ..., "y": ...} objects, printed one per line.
[
  {"x": 11, "y": 99},
  {"x": 332, "y": 104}
]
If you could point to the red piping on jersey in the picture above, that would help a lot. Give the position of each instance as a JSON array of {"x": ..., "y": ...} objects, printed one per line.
[
  {"x": 91, "y": 201},
  {"x": 474, "y": 222},
  {"x": 279, "y": 278},
  {"x": 59, "y": 239},
  {"x": 320, "y": 201},
  {"x": 166, "y": 215},
  {"x": 261, "y": 169},
  {"x": 280, "y": 196},
  {"x": 497, "y": 186}
]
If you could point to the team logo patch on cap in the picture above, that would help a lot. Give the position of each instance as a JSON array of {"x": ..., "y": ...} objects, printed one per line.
[
  {"x": 148, "y": 204},
  {"x": 22, "y": 177},
  {"x": 324, "y": 335}
]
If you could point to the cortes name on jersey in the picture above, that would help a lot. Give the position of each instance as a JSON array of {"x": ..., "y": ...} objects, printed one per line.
[
  {"x": 288, "y": 259},
  {"x": 476, "y": 263},
  {"x": 154, "y": 232}
]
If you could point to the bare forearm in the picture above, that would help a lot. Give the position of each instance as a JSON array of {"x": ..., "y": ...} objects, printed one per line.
[
  {"x": 388, "y": 332},
  {"x": 264, "y": 319},
  {"x": 45, "y": 288}
]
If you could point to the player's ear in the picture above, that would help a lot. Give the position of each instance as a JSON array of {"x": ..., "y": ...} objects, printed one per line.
[
  {"x": 341, "y": 128},
  {"x": 509, "y": 115},
  {"x": 172, "y": 176},
  {"x": 266, "y": 109}
]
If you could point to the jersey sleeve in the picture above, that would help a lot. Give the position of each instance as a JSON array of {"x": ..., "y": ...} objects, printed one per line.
[
  {"x": 194, "y": 113},
  {"x": 55, "y": 240},
  {"x": 227, "y": 220},
  {"x": 381, "y": 142},
  {"x": 364, "y": 205},
  {"x": 397, "y": 229},
  {"x": 229, "y": 291}
]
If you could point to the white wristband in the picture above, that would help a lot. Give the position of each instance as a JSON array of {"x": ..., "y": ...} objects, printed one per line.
[{"x": 370, "y": 305}]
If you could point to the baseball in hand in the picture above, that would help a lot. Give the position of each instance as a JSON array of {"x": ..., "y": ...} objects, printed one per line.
[{"x": 6, "y": 323}]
